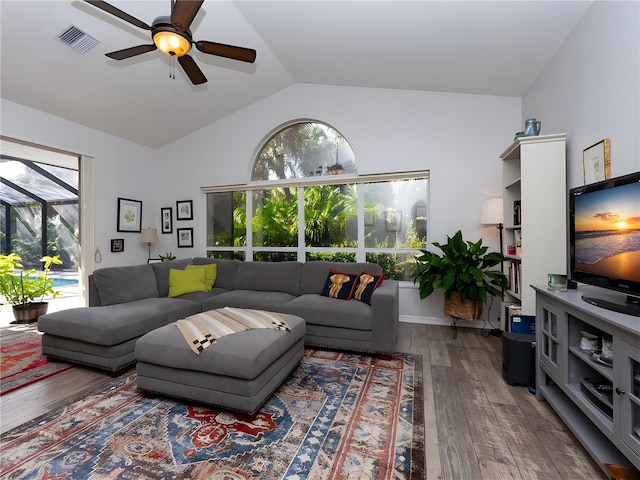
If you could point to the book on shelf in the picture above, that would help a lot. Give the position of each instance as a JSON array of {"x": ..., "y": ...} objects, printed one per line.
[
  {"x": 517, "y": 241},
  {"x": 512, "y": 278},
  {"x": 506, "y": 313},
  {"x": 515, "y": 271},
  {"x": 517, "y": 212},
  {"x": 514, "y": 309},
  {"x": 511, "y": 310}
]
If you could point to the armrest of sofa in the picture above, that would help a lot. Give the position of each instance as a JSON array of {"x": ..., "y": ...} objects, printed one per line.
[
  {"x": 94, "y": 296},
  {"x": 386, "y": 314}
]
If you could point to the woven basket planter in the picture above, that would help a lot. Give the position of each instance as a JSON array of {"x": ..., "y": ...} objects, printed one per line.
[{"x": 467, "y": 310}]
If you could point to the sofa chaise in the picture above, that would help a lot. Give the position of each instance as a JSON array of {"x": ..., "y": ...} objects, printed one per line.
[{"x": 127, "y": 302}]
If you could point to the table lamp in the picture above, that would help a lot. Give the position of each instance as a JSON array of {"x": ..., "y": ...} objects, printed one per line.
[{"x": 149, "y": 235}]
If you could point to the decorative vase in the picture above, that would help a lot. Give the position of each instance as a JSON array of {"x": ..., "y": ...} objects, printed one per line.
[
  {"x": 532, "y": 127},
  {"x": 29, "y": 312},
  {"x": 467, "y": 310}
]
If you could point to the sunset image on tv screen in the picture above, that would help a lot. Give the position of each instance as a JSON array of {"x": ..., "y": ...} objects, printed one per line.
[{"x": 607, "y": 232}]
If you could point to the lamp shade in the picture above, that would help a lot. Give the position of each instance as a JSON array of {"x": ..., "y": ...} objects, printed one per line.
[
  {"x": 149, "y": 235},
  {"x": 492, "y": 213}
]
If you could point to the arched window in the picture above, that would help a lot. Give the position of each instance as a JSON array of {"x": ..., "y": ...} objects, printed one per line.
[
  {"x": 304, "y": 149},
  {"x": 307, "y": 201}
]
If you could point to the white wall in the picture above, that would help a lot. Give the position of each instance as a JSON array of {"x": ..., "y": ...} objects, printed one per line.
[
  {"x": 122, "y": 169},
  {"x": 591, "y": 88},
  {"x": 457, "y": 137}
]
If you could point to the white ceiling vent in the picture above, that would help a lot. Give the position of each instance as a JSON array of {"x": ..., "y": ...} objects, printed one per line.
[{"x": 77, "y": 39}]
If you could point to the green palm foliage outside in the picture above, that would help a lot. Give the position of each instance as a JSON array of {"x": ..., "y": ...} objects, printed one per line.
[
  {"x": 326, "y": 212},
  {"x": 275, "y": 221}
]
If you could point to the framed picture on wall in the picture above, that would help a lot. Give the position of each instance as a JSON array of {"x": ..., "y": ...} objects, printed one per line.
[
  {"x": 166, "y": 219},
  {"x": 184, "y": 210},
  {"x": 597, "y": 162},
  {"x": 117, "y": 244},
  {"x": 129, "y": 215},
  {"x": 185, "y": 237}
]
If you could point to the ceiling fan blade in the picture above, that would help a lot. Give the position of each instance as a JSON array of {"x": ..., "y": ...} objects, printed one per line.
[
  {"x": 116, "y": 12},
  {"x": 131, "y": 52},
  {"x": 183, "y": 13},
  {"x": 192, "y": 70},
  {"x": 229, "y": 51}
]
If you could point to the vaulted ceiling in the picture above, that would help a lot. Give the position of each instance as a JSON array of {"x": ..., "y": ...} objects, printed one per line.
[{"x": 476, "y": 47}]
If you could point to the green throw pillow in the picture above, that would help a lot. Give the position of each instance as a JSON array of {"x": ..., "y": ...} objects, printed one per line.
[
  {"x": 210, "y": 272},
  {"x": 186, "y": 281}
]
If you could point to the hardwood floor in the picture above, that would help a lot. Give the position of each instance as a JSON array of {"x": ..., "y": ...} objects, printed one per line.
[{"x": 477, "y": 427}]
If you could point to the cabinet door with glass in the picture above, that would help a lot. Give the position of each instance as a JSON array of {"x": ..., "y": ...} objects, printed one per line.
[
  {"x": 627, "y": 390},
  {"x": 552, "y": 332}
]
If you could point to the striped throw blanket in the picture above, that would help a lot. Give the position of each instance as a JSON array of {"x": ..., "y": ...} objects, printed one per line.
[{"x": 203, "y": 329}]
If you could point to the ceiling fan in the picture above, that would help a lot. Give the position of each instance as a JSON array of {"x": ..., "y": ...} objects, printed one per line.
[{"x": 172, "y": 36}]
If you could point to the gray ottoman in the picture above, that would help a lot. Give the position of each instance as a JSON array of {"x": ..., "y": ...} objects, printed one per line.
[{"x": 238, "y": 372}]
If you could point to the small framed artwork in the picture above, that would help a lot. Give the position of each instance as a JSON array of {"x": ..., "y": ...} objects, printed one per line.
[
  {"x": 166, "y": 219},
  {"x": 184, "y": 210},
  {"x": 117, "y": 244},
  {"x": 129, "y": 215},
  {"x": 185, "y": 237},
  {"x": 597, "y": 162}
]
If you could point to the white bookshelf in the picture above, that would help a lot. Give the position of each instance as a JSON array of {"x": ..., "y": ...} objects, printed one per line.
[{"x": 534, "y": 173}]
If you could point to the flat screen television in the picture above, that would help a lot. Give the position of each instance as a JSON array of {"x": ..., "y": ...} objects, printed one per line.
[{"x": 604, "y": 241}]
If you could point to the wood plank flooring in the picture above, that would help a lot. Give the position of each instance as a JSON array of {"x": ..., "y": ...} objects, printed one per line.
[{"x": 477, "y": 427}]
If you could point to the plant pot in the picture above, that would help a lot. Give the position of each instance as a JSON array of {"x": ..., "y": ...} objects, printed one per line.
[
  {"x": 29, "y": 312},
  {"x": 467, "y": 310}
]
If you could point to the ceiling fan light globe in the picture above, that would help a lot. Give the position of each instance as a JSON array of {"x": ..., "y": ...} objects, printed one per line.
[{"x": 172, "y": 43}]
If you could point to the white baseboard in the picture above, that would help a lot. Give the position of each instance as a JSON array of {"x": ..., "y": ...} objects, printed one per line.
[{"x": 445, "y": 322}]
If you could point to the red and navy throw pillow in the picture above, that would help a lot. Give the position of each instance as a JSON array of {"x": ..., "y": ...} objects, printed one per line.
[
  {"x": 367, "y": 283},
  {"x": 339, "y": 284}
]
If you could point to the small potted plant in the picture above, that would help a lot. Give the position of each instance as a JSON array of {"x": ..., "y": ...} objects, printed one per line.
[
  {"x": 25, "y": 290},
  {"x": 464, "y": 271}
]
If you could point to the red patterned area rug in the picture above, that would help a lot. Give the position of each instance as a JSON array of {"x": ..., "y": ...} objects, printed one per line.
[
  {"x": 337, "y": 416},
  {"x": 21, "y": 359}
]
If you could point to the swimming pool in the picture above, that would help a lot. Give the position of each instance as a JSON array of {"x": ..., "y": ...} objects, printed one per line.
[
  {"x": 63, "y": 282},
  {"x": 59, "y": 282}
]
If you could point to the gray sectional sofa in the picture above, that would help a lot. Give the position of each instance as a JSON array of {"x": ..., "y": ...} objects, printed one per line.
[{"x": 128, "y": 302}]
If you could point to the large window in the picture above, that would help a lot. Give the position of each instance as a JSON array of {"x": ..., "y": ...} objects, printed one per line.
[{"x": 329, "y": 215}]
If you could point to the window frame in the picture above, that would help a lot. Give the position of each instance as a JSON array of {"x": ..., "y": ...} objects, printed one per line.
[{"x": 300, "y": 250}]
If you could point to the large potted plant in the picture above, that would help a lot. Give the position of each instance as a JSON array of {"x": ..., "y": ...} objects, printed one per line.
[
  {"x": 25, "y": 290},
  {"x": 464, "y": 271}
]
